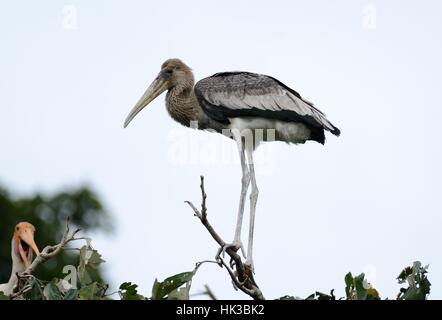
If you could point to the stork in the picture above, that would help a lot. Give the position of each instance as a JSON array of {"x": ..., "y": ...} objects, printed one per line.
[
  {"x": 238, "y": 105},
  {"x": 22, "y": 245}
]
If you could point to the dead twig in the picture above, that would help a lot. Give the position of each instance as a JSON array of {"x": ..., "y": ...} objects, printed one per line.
[
  {"x": 243, "y": 277},
  {"x": 51, "y": 251},
  {"x": 209, "y": 292}
]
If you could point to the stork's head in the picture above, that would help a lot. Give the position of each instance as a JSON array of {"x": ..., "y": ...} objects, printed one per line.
[
  {"x": 22, "y": 245},
  {"x": 174, "y": 73}
]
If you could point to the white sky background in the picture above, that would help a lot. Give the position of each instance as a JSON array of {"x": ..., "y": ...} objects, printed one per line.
[{"x": 369, "y": 200}]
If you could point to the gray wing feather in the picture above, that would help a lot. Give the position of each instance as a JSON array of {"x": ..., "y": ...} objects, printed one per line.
[{"x": 244, "y": 90}]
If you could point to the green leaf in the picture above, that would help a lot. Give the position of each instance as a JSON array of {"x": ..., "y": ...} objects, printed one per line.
[
  {"x": 349, "y": 285},
  {"x": 89, "y": 259},
  {"x": 418, "y": 283},
  {"x": 83, "y": 275},
  {"x": 404, "y": 274},
  {"x": 324, "y": 296},
  {"x": 155, "y": 289},
  {"x": 360, "y": 287},
  {"x": 357, "y": 288},
  {"x": 179, "y": 294},
  {"x": 320, "y": 296},
  {"x": 51, "y": 291},
  {"x": 129, "y": 286},
  {"x": 95, "y": 260},
  {"x": 89, "y": 292},
  {"x": 287, "y": 297},
  {"x": 128, "y": 291},
  {"x": 3, "y": 296},
  {"x": 161, "y": 289},
  {"x": 71, "y": 294},
  {"x": 36, "y": 292}
]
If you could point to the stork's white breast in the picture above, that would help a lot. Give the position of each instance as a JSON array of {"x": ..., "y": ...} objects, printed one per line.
[{"x": 285, "y": 131}]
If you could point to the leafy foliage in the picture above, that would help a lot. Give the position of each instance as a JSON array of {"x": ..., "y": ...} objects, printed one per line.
[
  {"x": 36, "y": 292},
  {"x": 177, "y": 287},
  {"x": 86, "y": 283},
  {"x": 51, "y": 291},
  {"x": 78, "y": 286},
  {"x": 287, "y": 297},
  {"x": 128, "y": 291},
  {"x": 81, "y": 285},
  {"x": 321, "y": 296},
  {"x": 357, "y": 288},
  {"x": 170, "y": 287},
  {"x": 90, "y": 261},
  {"x": 418, "y": 284}
]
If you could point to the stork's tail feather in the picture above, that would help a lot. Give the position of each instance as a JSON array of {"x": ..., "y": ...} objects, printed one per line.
[
  {"x": 317, "y": 135},
  {"x": 335, "y": 131}
]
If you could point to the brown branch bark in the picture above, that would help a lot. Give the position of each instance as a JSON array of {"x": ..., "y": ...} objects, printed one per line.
[
  {"x": 242, "y": 277},
  {"x": 210, "y": 293},
  {"x": 51, "y": 251}
]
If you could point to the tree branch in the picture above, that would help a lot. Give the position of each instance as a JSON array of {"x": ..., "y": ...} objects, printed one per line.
[
  {"x": 243, "y": 277},
  {"x": 209, "y": 292},
  {"x": 51, "y": 251}
]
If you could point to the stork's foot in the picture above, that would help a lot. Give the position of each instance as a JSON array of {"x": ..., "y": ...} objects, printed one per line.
[
  {"x": 235, "y": 245},
  {"x": 248, "y": 264}
]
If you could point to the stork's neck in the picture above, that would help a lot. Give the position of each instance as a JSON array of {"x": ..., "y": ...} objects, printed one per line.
[
  {"x": 182, "y": 105},
  {"x": 17, "y": 267},
  {"x": 9, "y": 287}
]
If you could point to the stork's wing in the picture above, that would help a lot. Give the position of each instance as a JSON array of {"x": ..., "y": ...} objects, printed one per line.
[{"x": 244, "y": 94}]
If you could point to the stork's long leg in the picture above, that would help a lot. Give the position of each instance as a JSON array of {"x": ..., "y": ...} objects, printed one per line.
[
  {"x": 245, "y": 181},
  {"x": 253, "y": 200}
]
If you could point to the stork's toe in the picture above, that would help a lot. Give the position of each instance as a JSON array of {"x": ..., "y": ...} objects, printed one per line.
[
  {"x": 235, "y": 245},
  {"x": 250, "y": 265}
]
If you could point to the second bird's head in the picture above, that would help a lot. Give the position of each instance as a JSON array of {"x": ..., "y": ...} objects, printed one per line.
[
  {"x": 174, "y": 73},
  {"x": 23, "y": 244}
]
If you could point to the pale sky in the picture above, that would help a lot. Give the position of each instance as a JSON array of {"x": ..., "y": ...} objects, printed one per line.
[{"x": 369, "y": 200}]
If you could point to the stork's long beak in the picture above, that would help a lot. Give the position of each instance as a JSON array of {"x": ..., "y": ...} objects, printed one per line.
[
  {"x": 158, "y": 86},
  {"x": 27, "y": 237}
]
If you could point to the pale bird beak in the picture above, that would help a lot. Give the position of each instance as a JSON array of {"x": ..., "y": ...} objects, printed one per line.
[
  {"x": 27, "y": 236},
  {"x": 158, "y": 86}
]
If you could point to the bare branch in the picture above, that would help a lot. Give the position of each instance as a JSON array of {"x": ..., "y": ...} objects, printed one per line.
[
  {"x": 51, "y": 251},
  {"x": 197, "y": 213},
  {"x": 243, "y": 279},
  {"x": 209, "y": 292},
  {"x": 203, "y": 199},
  {"x": 200, "y": 263}
]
